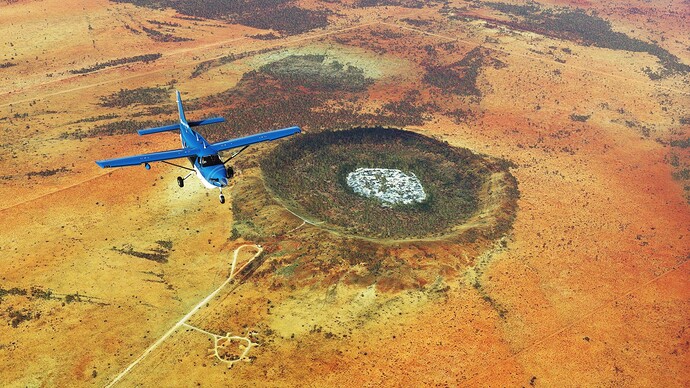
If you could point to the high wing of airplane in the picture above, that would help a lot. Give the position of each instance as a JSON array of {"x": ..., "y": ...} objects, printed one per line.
[{"x": 203, "y": 156}]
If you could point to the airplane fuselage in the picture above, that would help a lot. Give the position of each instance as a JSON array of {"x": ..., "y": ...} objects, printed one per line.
[
  {"x": 208, "y": 166},
  {"x": 202, "y": 155}
]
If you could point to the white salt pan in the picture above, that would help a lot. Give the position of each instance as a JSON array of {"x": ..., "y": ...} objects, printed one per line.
[{"x": 390, "y": 186}]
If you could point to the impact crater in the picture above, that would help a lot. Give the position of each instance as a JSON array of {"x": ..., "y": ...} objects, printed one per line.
[{"x": 388, "y": 184}]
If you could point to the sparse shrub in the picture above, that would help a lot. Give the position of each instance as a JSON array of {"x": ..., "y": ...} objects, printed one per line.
[
  {"x": 39, "y": 293},
  {"x": 461, "y": 77},
  {"x": 139, "y": 96},
  {"x": 280, "y": 15},
  {"x": 581, "y": 118},
  {"x": 146, "y": 58}
]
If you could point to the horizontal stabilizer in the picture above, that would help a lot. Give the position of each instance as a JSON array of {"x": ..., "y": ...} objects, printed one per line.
[
  {"x": 258, "y": 138},
  {"x": 149, "y": 131},
  {"x": 173, "y": 127},
  {"x": 213, "y": 120}
]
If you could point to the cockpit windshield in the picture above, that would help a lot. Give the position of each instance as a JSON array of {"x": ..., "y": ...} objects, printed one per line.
[{"x": 210, "y": 160}]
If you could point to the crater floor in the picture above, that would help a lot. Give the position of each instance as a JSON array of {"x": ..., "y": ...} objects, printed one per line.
[{"x": 387, "y": 185}]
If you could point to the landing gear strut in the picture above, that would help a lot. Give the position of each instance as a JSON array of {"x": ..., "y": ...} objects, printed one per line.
[
  {"x": 180, "y": 180},
  {"x": 221, "y": 197}
]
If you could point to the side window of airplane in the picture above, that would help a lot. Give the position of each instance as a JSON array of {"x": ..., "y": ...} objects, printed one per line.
[{"x": 210, "y": 160}]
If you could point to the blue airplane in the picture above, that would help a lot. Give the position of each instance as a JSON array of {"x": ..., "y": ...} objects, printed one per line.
[{"x": 203, "y": 156}]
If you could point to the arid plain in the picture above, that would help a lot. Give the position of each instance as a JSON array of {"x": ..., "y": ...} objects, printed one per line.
[{"x": 585, "y": 283}]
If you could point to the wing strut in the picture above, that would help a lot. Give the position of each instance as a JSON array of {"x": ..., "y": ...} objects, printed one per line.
[
  {"x": 177, "y": 165},
  {"x": 235, "y": 154}
]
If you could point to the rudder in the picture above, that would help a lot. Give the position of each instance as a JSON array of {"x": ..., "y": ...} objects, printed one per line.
[{"x": 180, "y": 109}]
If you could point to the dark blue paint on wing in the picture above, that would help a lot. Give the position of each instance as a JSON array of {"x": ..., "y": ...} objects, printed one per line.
[
  {"x": 147, "y": 158},
  {"x": 258, "y": 138}
]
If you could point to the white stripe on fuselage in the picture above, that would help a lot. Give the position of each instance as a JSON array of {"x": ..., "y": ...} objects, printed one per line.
[{"x": 203, "y": 180}]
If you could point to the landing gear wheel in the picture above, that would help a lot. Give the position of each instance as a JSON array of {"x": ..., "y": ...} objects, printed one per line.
[
  {"x": 222, "y": 198},
  {"x": 180, "y": 181}
]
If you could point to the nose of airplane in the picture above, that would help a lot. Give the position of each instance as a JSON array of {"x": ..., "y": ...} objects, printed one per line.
[{"x": 219, "y": 177}]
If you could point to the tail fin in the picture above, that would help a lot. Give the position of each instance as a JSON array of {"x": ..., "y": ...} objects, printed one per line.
[{"x": 180, "y": 109}]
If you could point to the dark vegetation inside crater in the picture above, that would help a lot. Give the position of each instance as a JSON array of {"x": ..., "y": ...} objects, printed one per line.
[
  {"x": 309, "y": 172},
  {"x": 284, "y": 16},
  {"x": 588, "y": 29}
]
